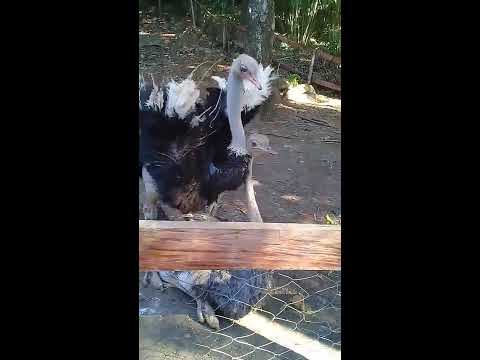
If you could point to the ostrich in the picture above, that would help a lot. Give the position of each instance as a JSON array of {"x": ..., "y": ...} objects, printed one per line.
[{"x": 191, "y": 151}]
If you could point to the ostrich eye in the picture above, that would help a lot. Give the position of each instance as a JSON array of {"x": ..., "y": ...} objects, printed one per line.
[
  {"x": 254, "y": 143},
  {"x": 243, "y": 68}
]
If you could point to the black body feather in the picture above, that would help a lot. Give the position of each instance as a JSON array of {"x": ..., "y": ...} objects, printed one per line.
[{"x": 191, "y": 166}]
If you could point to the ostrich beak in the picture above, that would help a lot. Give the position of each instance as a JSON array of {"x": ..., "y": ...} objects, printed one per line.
[
  {"x": 260, "y": 149},
  {"x": 255, "y": 82}
]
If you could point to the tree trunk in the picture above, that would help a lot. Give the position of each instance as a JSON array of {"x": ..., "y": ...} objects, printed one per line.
[
  {"x": 199, "y": 19},
  {"x": 193, "y": 14},
  {"x": 159, "y": 8},
  {"x": 243, "y": 22},
  {"x": 224, "y": 36},
  {"x": 261, "y": 28},
  {"x": 244, "y": 13}
]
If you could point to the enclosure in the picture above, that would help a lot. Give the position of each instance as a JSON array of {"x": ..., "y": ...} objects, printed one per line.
[
  {"x": 300, "y": 184},
  {"x": 296, "y": 316},
  {"x": 303, "y": 302}
]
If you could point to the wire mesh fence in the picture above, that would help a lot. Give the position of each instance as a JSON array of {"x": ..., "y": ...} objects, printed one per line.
[{"x": 261, "y": 315}]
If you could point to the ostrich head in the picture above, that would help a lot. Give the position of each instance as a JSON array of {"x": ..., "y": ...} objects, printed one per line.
[
  {"x": 245, "y": 68},
  {"x": 259, "y": 144}
]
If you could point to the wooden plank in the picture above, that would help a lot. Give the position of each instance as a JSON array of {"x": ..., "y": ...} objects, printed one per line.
[
  {"x": 185, "y": 245},
  {"x": 315, "y": 77},
  {"x": 320, "y": 53},
  {"x": 317, "y": 80}
]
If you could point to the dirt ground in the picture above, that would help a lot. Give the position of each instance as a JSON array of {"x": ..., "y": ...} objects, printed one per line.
[
  {"x": 168, "y": 328},
  {"x": 300, "y": 184}
]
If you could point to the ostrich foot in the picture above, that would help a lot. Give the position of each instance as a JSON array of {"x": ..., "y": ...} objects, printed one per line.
[
  {"x": 198, "y": 217},
  {"x": 153, "y": 211},
  {"x": 152, "y": 278},
  {"x": 150, "y": 212},
  {"x": 205, "y": 313},
  {"x": 187, "y": 281},
  {"x": 213, "y": 207},
  {"x": 187, "y": 217}
]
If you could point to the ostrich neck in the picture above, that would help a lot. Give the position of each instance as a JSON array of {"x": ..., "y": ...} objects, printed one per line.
[
  {"x": 234, "y": 112},
  {"x": 252, "y": 207}
]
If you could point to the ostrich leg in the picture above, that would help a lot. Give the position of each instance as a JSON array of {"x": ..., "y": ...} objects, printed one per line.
[
  {"x": 206, "y": 313},
  {"x": 152, "y": 278},
  {"x": 213, "y": 208},
  {"x": 152, "y": 209},
  {"x": 191, "y": 283}
]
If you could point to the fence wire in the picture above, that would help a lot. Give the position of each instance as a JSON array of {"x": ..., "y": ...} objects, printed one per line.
[{"x": 293, "y": 307}]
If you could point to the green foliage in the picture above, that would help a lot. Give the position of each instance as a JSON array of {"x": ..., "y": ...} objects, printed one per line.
[
  {"x": 311, "y": 22},
  {"x": 227, "y": 9},
  {"x": 293, "y": 80}
]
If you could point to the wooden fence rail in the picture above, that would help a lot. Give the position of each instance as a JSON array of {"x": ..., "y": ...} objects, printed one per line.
[{"x": 184, "y": 245}]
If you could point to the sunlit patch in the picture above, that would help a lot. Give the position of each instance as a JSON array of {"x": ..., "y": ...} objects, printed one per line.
[
  {"x": 168, "y": 35},
  {"x": 304, "y": 345},
  {"x": 223, "y": 67},
  {"x": 283, "y": 106},
  {"x": 303, "y": 94},
  {"x": 292, "y": 198},
  {"x": 306, "y": 95}
]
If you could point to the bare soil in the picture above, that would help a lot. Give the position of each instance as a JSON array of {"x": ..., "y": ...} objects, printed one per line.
[{"x": 302, "y": 183}]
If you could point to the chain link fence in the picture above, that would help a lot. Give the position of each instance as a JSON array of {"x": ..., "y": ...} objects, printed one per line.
[{"x": 294, "y": 315}]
